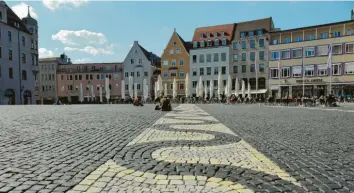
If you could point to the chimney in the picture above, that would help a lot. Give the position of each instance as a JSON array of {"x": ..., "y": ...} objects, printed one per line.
[
  {"x": 135, "y": 42},
  {"x": 352, "y": 13},
  {"x": 174, "y": 30}
]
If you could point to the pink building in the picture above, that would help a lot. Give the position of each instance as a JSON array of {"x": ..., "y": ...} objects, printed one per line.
[{"x": 69, "y": 77}]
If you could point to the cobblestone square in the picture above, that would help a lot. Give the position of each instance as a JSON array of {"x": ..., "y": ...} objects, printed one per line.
[{"x": 194, "y": 148}]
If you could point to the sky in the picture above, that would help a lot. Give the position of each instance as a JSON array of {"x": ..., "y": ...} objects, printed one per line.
[{"x": 104, "y": 31}]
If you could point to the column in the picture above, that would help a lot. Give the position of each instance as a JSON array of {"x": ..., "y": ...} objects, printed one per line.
[
  {"x": 42, "y": 101},
  {"x": 290, "y": 91},
  {"x": 315, "y": 93}
]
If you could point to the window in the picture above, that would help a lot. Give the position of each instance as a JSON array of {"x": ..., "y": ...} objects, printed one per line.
[
  {"x": 223, "y": 70},
  {"x": 10, "y": 54},
  {"x": 131, "y": 61},
  {"x": 138, "y": 74},
  {"x": 322, "y": 50},
  {"x": 140, "y": 61},
  {"x": 285, "y": 54},
  {"x": 9, "y": 36},
  {"x": 274, "y": 73},
  {"x": 216, "y": 57},
  {"x": 174, "y": 43},
  {"x": 208, "y": 71},
  {"x": 165, "y": 74},
  {"x": 222, "y": 33},
  {"x": 285, "y": 72},
  {"x": 126, "y": 74},
  {"x": 165, "y": 62},
  {"x": 181, "y": 73},
  {"x": 309, "y": 51},
  {"x": 216, "y": 34},
  {"x": 173, "y": 63},
  {"x": 178, "y": 51},
  {"x": 298, "y": 39},
  {"x": 223, "y": 57},
  {"x": 261, "y": 55},
  {"x": 243, "y": 68},
  {"x": 23, "y": 41},
  {"x": 252, "y": 56},
  {"x": 296, "y": 71},
  {"x": 261, "y": 67},
  {"x": 173, "y": 73},
  {"x": 336, "y": 34},
  {"x": 194, "y": 72},
  {"x": 23, "y": 58},
  {"x": 243, "y": 34},
  {"x": 137, "y": 87},
  {"x": 201, "y": 58},
  {"x": 215, "y": 82},
  {"x": 243, "y": 44},
  {"x": 208, "y": 57},
  {"x": 243, "y": 56},
  {"x": 260, "y": 32},
  {"x": 146, "y": 73},
  {"x": 310, "y": 37},
  {"x": 252, "y": 68},
  {"x": 210, "y": 43},
  {"x": 201, "y": 71},
  {"x": 208, "y": 35},
  {"x": 336, "y": 69},
  {"x": 181, "y": 62},
  {"x": 275, "y": 55},
  {"x": 323, "y": 35},
  {"x": 132, "y": 74},
  {"x": 349, "y": 47},
  {"x": 235, "y": 57},
  {"x": 322, "y": 70},
  {"x": 11, "y": 73},
  {"x": 216, "y": 70},
  {"x": 181, "y": 86},
  {"x": 251, "y": 33},
  {"x": 1, "y": 51},
  {"x": 202, "y": 44},
  {"x": 337, "y": 49},
  {"x": 195, "y": 44},
  {"x": 275, "y": 42},
  {"x": 235, "y": 69},
  {"x": 235, "y": 46},
  {"x": 286, "y": 40},
  {"x": 194, "y": 84},
  {"x": 349, "y": 68},
  {"x": 216, "y": 42},
  {"x": 224, "y": 41},
  {"x": 261, "y": 43},
  {"x": 252, "y": 43},
  {"x": 309, "y": 70},
  {"x": 194, "y": 58},
  {"x": 171, "y": 51},
  {"x": 24, "y": 75},
  {"x": 201, "y": 36}
]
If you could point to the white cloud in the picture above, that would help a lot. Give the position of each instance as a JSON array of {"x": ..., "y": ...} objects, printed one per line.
[
  {"x": 44, "y": 53},
  {"x": 80, "y": 37},
  {"x": 92, "y": 50},
  {"x": 21, "y": 10},
  {"x": 56, "y": 4},
  {"x": 81, "y": 60}
]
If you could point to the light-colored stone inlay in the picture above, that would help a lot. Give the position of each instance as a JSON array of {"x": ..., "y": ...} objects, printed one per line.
[{"x": 218, "y": 127}]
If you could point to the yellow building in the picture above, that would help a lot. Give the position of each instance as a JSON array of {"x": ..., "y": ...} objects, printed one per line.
[
  {"x": 310, "y": 45},
  {"x": 175, "y": 63}
]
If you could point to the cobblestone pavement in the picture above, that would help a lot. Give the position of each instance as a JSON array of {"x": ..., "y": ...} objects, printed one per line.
[
  {"x": 188, "y": 151},
  {"x": 314, "y": 146},
  {"x": 53, "y": 148}
]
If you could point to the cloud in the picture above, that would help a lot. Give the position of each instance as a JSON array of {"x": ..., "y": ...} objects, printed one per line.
[
  {"x": 92, "y": 50},
  {"x": 80, "y": 37},
  {"x": 56, "y": 4},
  {"x": 21, "y": 10},
  {"x": 81, "y": 60},
  {"x": 44, "y": 53}
]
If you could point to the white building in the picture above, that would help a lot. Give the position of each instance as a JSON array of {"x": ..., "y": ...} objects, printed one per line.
[{"x": 18, "y": 57}]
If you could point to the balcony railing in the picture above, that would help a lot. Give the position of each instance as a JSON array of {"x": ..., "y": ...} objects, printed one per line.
[{"x": 72, "y": 71}]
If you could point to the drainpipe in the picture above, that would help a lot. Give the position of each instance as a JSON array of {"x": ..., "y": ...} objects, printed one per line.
[{"x": 19, "y": 69}]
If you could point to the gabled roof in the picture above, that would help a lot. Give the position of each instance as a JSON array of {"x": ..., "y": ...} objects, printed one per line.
[
  {"x": 227, "y": 28},
  {"x": 149, "y": 55},
  {"x": 187, "y": 45}
]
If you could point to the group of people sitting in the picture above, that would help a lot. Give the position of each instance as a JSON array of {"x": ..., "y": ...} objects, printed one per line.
[{"x": 164, "y": 103}]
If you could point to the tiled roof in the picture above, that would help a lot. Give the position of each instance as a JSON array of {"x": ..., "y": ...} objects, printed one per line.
[
  {"x": 227, "y": 28},
  {"x": 187, "y": 45},
  {"x": 146, "y": 53}
]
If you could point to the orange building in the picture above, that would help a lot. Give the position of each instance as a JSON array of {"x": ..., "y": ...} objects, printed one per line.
[{"x": 175, "y": 63}]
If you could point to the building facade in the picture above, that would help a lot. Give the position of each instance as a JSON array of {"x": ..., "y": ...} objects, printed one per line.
[
  {"x": 309, "y": 46},
  {"x": 69, "y": 77},
  {"x": 210, "y": 54},
  {"x": 140, "y": 64},
  {"x": 249, "y": 55},
  {"x": 48, "y": 78},
  {"x": 175, "y": 63},
  {"x": 18, "y": 57}
]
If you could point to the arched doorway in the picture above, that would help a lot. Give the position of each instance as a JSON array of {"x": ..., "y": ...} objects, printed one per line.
[
  {"x": 10, "y": 97},
  {"x": 27, "y": 97}
]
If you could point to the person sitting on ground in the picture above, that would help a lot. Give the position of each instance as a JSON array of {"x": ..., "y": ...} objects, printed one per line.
[
  {"x": 166, "y": 104},
  {"x": 137, "y": 102}
]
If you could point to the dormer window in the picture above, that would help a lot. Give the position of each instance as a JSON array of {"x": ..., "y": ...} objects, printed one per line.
[
  {"x": 222, "y": 33},
  {"x": 202, "y": 44},
  {"x": 195, "y": 44},
  {"x": 223, "y": 42},
  {"x": 260, "y": 32},
  {"x": 210, "y": 43},
  {"x": 216, "y": 34},
  {"x": 251, "y": 33},
  {"x": 208, "y": 35},
  {"x": 243, "y": 34},
  {"x": 201, "y": 35},
  {"x": 216, "y": 42}
]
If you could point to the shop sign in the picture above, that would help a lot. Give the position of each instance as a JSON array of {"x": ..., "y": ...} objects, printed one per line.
[{"x": 309, "y": 80}]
